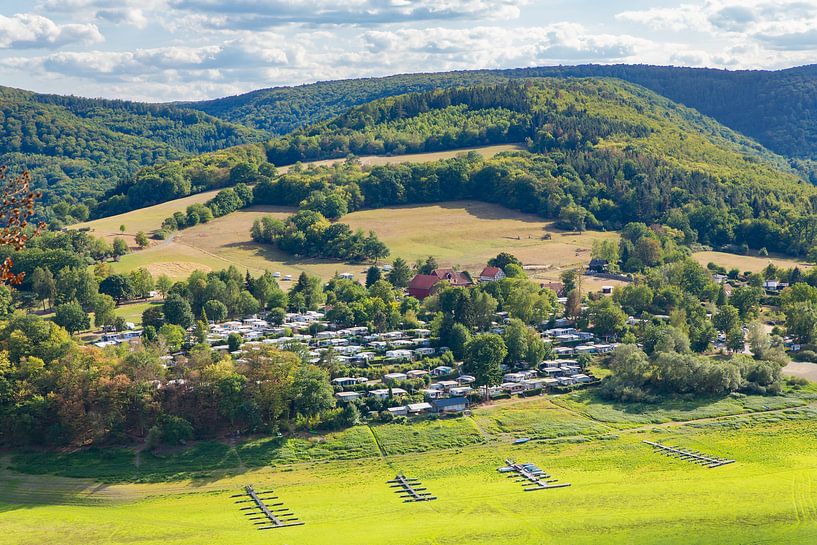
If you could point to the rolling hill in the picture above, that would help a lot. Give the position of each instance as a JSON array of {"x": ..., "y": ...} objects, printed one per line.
[
  {"x": 599, "y": 153},
  {"x": 78, "y": 148},
  {"x": 776, "y": 108}
]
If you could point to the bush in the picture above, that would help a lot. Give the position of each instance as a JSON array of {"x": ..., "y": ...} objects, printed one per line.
[
  {"x": 175, "y": 429},
  {"x": 805, "y": 355}
]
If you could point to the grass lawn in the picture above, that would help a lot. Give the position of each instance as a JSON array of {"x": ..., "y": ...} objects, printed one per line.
[
  {"x": 536, "y": 418},
  {"x": 623, "y": 415},
  {"x": 132, "y": 312},
  {"x": 621, "y": 493}
]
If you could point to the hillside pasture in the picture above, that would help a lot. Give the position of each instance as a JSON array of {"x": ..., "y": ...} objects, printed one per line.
[
  {"x": 750, "y": 263},
  {"x": 620, "y": 489},
  {"x": 150, "y": 219},
  {"x": 463, "y": 233}
]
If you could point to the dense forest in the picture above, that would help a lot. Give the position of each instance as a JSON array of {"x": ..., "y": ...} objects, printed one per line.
[
  {"x": 77, "y": 148},
  {"x": 778, "y": 108}
]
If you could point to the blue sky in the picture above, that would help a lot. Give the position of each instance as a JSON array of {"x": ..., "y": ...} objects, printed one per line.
[{"x": 160, "y": 50}]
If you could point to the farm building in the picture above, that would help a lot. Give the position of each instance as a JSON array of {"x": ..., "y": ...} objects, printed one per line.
[
  {"x": 491, "y": 274},
  {"x": 556, "y": 287},
  {"x": 455, "y": 278},
  {"x": 598, "y": 266},
  {"x": 422, "y": 285}
]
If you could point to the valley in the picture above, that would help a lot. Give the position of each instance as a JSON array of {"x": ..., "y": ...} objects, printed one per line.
[{"x": 426, "y": 279}]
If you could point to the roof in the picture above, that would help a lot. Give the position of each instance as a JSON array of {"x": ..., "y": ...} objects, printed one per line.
[
  {"x": 449, "y": 402},
  {"x": 490, "y": 272},
  {"x": 423, "y": 281},
  {"x": 558, "y": 287},
  {"x": 455, "y": 278}
]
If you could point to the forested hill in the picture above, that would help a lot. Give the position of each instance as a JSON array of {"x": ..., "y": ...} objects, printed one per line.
[
  {"x": 280, "y": 110},
  {"x": 81, "y": 147},
  {"x": 616, "y": 149},
  {"x": 778, "y": 109}
]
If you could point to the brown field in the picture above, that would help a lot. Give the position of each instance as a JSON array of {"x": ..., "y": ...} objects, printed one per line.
[
  {"x": 149, "y": 219},
  {"x": 464, "y": 234},
  {"x": 804, "y": 370},
  {"x": 746, "y": 262}
]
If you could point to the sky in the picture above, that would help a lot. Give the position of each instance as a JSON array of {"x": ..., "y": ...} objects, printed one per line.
[{"x": 165, "y": 50}]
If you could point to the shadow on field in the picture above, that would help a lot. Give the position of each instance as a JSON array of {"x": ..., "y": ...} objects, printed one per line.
[
  {"x": 89, "y": 472},
  {"x": 678, "y": 408}
]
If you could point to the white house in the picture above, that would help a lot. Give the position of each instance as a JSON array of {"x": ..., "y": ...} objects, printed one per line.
[
  {"x": 394, "y": 377},
  {"x": 344, "y": 382},
  {"x": 346, "y": 397},
  {"x": 399, "y": 355},
  {"x": 460, "y": 390},
  {"x": 445, "y": 384},
  {"x": 491, "y": 274},
  {"x": 383, "y": 393},
  {"x": 513, "y": 387},
  {"x": 417, "y": 408}
]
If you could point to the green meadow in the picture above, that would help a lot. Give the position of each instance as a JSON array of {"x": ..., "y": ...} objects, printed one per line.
[{"x": 621, "y": 491}]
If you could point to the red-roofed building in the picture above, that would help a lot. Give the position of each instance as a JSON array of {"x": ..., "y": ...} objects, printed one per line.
[
  {"x": 558, "y": 287},
  {"x": 491, "y": 274},
  {"x": 455, "y": 278},
  {"x": 422, "y": 284}
]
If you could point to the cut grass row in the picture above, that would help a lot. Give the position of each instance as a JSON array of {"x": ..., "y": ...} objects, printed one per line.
[
  {"x": 580, "y": 416},
  {"x": 621, "y": 493}
]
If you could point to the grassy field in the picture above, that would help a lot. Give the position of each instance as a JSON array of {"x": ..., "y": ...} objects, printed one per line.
[
  {"x": 462, "y": 233},
  {"x": 621, "y": 491},
  {"x": 150, "y": 218},
  {"x": 746, "y": 262}
]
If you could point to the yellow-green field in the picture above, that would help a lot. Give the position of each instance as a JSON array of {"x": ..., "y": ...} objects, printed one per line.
[
  {"x": 621, "y": 491},
  {"x": 746, "y": 262},
  {"x": 150, "y": 218},
  {"x": 462, "y": 233}
]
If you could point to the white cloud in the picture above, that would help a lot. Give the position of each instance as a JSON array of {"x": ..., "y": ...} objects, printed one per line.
[
  {"x": 187, "y": 49},
  {"x": 747, "y": 17},
  {"x": 503, "y": 47},
  {"x": 683, "y": 17},
  {"x": 129, "y": 16},
  {"x": 256, "y": 14},
  {"x": 27, "y": 30}
]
